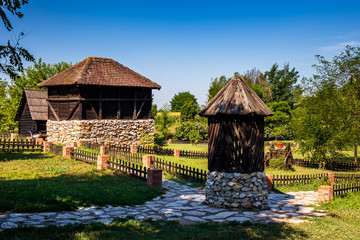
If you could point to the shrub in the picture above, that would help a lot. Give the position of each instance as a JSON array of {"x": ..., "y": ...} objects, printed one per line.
[{"x": 192, "y": 130}]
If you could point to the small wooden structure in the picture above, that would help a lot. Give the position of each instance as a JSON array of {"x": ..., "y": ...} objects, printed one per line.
[
  {"x": 99, "y": 88},
  {"x": 236, "y": 129},
  {"x": 32, "y": 112}
]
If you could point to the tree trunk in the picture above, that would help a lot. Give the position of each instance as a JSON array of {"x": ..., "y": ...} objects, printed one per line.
[{"x": 355, "y": 153}]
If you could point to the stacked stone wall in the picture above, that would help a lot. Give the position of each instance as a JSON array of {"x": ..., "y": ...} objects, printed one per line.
[
  {"x": 113, "y": 132},
  {"x": 237, "y": 190}
]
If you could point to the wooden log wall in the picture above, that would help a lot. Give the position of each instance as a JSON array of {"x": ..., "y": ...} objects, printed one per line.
[{"x": 236, "y": 144}]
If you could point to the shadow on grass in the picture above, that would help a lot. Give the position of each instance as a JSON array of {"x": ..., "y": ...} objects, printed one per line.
[
  {"x": 11, "y": 156},
  {"x": 70, "y": 191},
  {"x": 130, "y": 229}
]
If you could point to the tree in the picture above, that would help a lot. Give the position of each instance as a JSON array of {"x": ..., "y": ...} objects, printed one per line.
[
  {"x": 12, "y": 54},
  {"x": 258, "y": 82},
  {"x": 188, "y": 111},
  {"x": 328, "y": 116},
  {"x": 180, "y": 99},
  {"x": 282, "y": 82},
  {"x": 153, "y": 111},
  {"x": 215, "y": 86},
  {"x": 29, "y": 78}
]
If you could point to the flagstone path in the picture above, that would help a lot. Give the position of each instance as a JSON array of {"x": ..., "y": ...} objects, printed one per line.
[{"x": 180, "y": 203}]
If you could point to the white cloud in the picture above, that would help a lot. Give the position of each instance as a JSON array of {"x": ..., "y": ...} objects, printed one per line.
[{"x": 339, "y": 46}]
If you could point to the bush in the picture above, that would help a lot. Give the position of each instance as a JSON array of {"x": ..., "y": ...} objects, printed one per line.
[
  {"x": 192, "y": 131},
  {"x": 159, "y": 139}
]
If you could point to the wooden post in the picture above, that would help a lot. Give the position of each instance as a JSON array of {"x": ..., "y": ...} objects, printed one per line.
[
  {"x": 133, "y": 149},
  {"x": 154, "y": 178},
  {"x": 66, "y": 151},
  {"x": 177, "y": 153},
  {"x": 13, "y": 136},
  {"x": 269, "y": 182},
  {"x": 39, "y": 141},
  {"x": 326, "y": 193},
  {"x": 331, "y": 177},
  {"x": 148, "y": 160},
  {"x": 102, "y": 162},
  {"x": 46, "y": 147}
]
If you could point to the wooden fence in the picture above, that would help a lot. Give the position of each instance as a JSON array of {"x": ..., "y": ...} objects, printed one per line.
[
  {"x": 343, "y": 189},
  {"x": 85, "y": 156},
  {"x": 180, "y": 170},
  {"x": 130, "y": 157},
  {"x": 333, "y": 165},
  {"x": 193, "y": 154},
  {"x": 341, "y": 177},
  {"x": 127, "y": 167},
  {"x": 156, "y": 150},
  {"x": 282, "y": 180},
  {"x": 56, "y": 149},
  {"x": 19, "y": 145}
]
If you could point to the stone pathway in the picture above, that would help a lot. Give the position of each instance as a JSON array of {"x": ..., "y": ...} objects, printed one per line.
[{"x": 180, "y": 203}]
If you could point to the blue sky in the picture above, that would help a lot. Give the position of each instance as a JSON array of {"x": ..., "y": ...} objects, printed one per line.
[{"x": 181, "y": 45}]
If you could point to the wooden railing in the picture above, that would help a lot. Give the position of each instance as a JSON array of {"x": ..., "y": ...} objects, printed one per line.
[
  {"x": 282, "y": 180},
  {"x": 127, "y": 167},
  {"x": 19, "y": 145},
  {"x": 343, "y": 189}
]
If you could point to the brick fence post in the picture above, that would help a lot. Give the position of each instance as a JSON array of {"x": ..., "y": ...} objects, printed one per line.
[
  {"x": 177, "y": 153},
  {"x": 148, "y": 160},
  {"x": 331, "y": 177},
  {"x": 133, "y": 149},
  {"x": 13, "y": 136},
  {"x": 154, "y": 178},
  {"x": 269, "y": 182},
  {"x": 102, "y": 162},
  {"x": 102, "y": 150},
  {"x": 66, "y": 151},
  {"x": 326, "y": 193},
  {"x": 46, "y": 146},
  {"x": 81, "y": 142},
  {"x": 28, "y": 139},
  {"x": 39, "y": 141}
]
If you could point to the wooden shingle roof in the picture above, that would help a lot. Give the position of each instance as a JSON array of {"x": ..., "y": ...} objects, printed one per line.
[
  {"x": 100, "y": 71},
  {"x": 36, "y": 100},
  {"x": 236, "y": 98}
]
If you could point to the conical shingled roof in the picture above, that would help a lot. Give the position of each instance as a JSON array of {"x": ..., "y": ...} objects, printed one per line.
[
  {"x": 100, "y": 71},
  {"x": 236, "y": 98}
]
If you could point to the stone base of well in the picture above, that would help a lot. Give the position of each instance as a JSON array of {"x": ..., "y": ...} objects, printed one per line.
[
  {"x": 112, "y": 132},
  {"x": 237, "y": 190}
]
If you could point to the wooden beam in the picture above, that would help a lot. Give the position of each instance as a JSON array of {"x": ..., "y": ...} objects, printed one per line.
[
  {"x": 53, "y": 111},
  {"x": 134, "y": 112},
  {"x": 98, "y": 99},
  {"x": 141, "y": 107},
  {"x": 100, "y": 103},
  {"x": 73, "y": 110}
]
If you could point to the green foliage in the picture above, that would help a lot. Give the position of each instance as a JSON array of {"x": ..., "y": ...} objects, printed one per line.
[
  {"x": 154, "y": 111},
  {"x": 30, "y": 78},
  {"x": 12, "y": 54},
  {"x": 258, "y": 90},
  {"x": 282, "y": 82},
  {"x": 192, "y": 131},
  {"x": 188, "y": 111},
  {"x": 278, "y": 126},
  {"x": 215, "y": 86},
  {"x": 180, "y": 99},
  {"x": 327, "y": 118}
]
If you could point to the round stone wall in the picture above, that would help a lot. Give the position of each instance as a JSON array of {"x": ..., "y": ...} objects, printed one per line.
[
  {"x": 237, "y": 190},
  {"x": 114, "y": 132}
]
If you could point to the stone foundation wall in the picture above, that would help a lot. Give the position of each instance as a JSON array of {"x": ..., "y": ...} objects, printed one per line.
[
  {"x": 114, "y": 132},
  {"x": 237, "y": 190}
]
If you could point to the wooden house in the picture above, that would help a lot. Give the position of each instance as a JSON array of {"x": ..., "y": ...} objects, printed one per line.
[
  {"x": 99, "y": 88},
  {"x": 32, "y": 112}
]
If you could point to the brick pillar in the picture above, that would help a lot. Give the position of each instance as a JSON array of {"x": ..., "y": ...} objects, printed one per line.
[
  {"x": 80, "y": 143},
  {"x": 74, "y": 144},
  {"x": 29, "y": 138},
  {"x": 66, "y": 151},
  {"x": 331, "y": 177},
  {"x": 46, "y": 147},
  {"x": 269, "y": 182},
  {"x": 102, "y": 162},
  {"x": 176, "y": 152},
  {"x": 154, "y": 178},
  {"x": 133, "y": 149},
  {"x": 39, "y": 141},
  {"x": 13, "y": 136},
  {"x": 148, "y": 160},
  {"x": 102, "y": 150},
  {"x": 326, "y": 193}
]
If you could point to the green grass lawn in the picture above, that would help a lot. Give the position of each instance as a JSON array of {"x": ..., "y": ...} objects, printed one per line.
[
  {"x": 44, "y": 182},
  {"x": 342, "y": 222}
]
